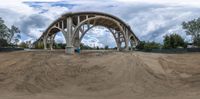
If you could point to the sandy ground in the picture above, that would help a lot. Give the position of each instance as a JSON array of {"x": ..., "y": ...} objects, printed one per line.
[{"x": 104, "y": 75}]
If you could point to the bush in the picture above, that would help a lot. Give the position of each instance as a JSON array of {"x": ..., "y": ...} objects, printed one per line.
[
  {"x": 151, "y": 45},
  {"x": 23, "y": 45},
  {"x": 39, "y": 45},
  {"x": 140, "y": 46},
  {"x": 106, "y": 47},
  {"x": 60, "y": 46},
  {"x": 3, "y": 43},
  {"x": 196, "y": 41},
  {"x": 173, "y": 41},
  {"x": 82, "y": 46},
  {"x": 97, "y": 47},
  {"x": 148, "y": 46}
]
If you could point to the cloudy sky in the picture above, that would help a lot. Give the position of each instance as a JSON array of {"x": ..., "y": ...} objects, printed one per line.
[{"x": 149, "y": 19}]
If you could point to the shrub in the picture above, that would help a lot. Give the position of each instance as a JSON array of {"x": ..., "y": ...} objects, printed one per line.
[
  {"x": 151, "y": 45},
  {"x": 173, "y": 41},
  {"x": 3, "y": 43},
  {"x": 148, "y": 46}
]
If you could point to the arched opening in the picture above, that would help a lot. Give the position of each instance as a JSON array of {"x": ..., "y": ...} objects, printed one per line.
[
  {"x": 97, "y": 38},
  {"x": 59, "y": 41},
  {"x": 112, "y": 26},
  {"x": 55, "y": 39}
]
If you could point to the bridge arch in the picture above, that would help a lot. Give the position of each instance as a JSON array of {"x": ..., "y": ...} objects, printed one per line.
[
  {"x": 93, "y": 26},
  {"x": 75, "y": 25}
]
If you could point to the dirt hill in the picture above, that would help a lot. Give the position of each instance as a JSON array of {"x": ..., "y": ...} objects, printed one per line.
[{"x": 103, "y": 75}]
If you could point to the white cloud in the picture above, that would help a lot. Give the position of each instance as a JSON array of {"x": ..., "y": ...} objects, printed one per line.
[
  {"x": 99, "y": 36},
  {"x": 193, "y": 3},
  {"x": 149, "y": 19},
  {"x": 30, "y": 20},
  {"x": 60, "y": 38}
]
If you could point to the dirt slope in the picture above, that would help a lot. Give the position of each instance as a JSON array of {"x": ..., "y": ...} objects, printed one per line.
[{"x": 113, "y": 75}]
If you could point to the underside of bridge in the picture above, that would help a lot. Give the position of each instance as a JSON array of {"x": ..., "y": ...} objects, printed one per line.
[{"x": 75, "y": 25}]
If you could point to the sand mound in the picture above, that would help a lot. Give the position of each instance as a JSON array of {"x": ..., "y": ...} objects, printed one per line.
[{"x": 92, "y": 74}]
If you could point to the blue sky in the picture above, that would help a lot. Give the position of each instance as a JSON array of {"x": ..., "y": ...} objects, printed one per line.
[{"x": 149, "y": 19}]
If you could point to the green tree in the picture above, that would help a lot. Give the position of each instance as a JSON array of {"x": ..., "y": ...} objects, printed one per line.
[
  {"x": 151, "y": 45},
  {"x": 82, "y": 46},
  {"x": 173, "y": 41},
  {"x": 7, "y": 34},
  {"x": 148, "y": 46},
  {"x": 106, "y": 47},
  {"x": 12, "y": 32},
  {"x": 23, "y": 45},
  {"x": 193, "y": 28},
  {"x": 97, "y": 47},
  {"x": 140, "y": 46},
  {"x": 4, "y": 31},
  {"x": 3, "y": 43},
  {"x": 166, "y": 41},
  {"x": 39, "y": 45}
]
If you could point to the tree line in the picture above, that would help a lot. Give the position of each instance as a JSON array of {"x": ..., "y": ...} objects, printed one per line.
[
  {"x": 8, "y": 34},
  {"x": 171, "y": 41},
  {"x": 174, "y": 40}
]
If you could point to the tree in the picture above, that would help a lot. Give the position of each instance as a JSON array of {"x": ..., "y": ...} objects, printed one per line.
[
  {"x": 3, "y": 43},
  {"x": 97, "y": 47},
  {"x": 173, "y": 41},
  {"x": 151, "y": 45},
  {"x": 140, "y": 46},
  {"x": 14, "y": 30},
  {"x": 60, "y": 45},
  {"x": 193, "y": 28},
  {"x": 4, "y": 31},
  {"x": 166, "y": 41},
  {"x": 148, "y": 46},
  {"x": 39, "y": 45},
  {"x": 106, "y": 47},
  {"x": 23, "y": 45},
  {"x": 82, "y": 46},
  {"x": 8, "y": 34},
  {"x": 16, "y": 41}
]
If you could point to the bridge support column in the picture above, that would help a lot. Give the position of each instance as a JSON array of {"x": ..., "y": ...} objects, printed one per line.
[
  {"x": 69, "y": 49},
  {"x": 126, "y": 40},
  {"x": 77, "y": 40},
  {"x": 51, "y": 42},
  {"x": 118, "y": 42},
  {"x": 131, "y": 42},
  {"x": 45, "y": 43},
  {"x": 119, "y": 46},
  {"x": 127, "y": 48}
]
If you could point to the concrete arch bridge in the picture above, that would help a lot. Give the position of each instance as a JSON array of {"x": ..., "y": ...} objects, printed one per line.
[{"x": 75, "y": 25}]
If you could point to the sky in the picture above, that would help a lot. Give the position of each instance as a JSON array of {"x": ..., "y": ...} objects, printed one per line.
[{"x": 150, "y": 20}]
